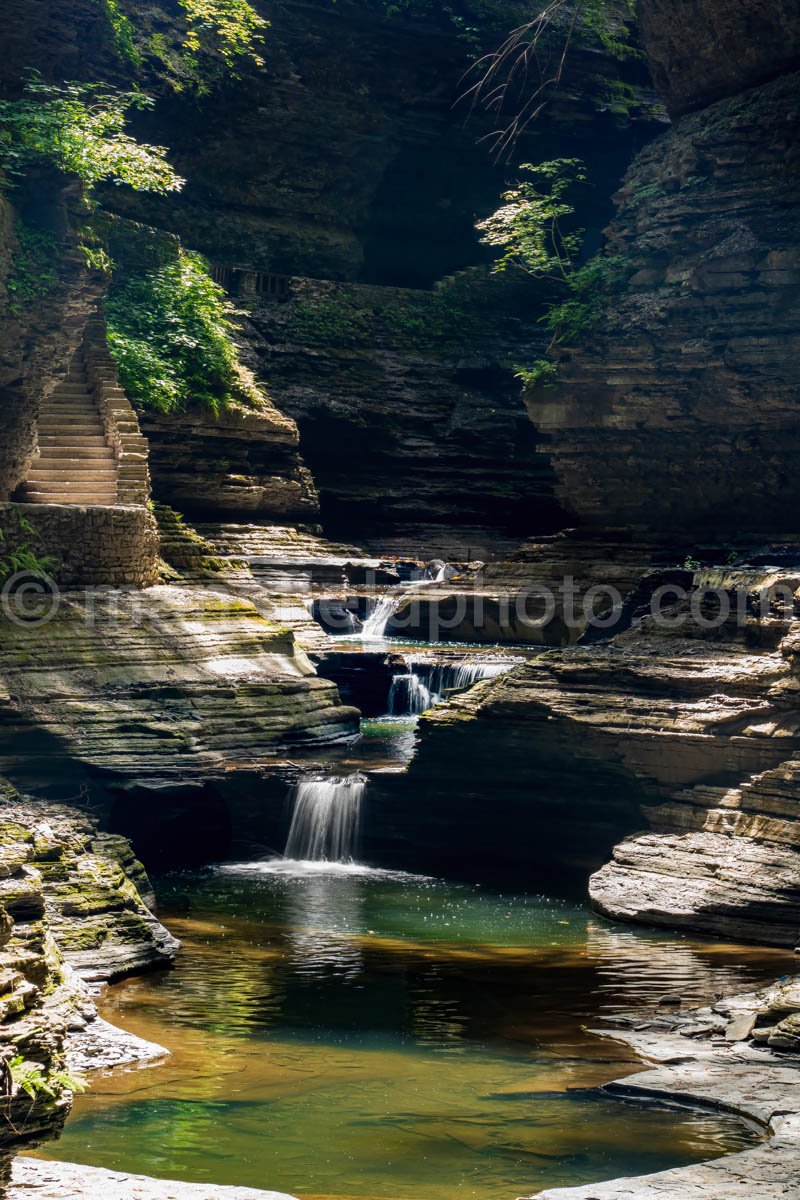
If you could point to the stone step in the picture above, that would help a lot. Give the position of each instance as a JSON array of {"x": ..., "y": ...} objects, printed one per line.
[
  {"x": 79, "y": 472},
  {"x": 81, "y": 416},
  {"x": 102, "y": 501},
  {"x": 73, "y": 410},
  {"x": 76, "y": 485},
  {"x": 76, "y": 452},
  {"x": 73, "y": 441},
  {"x": 68, "y": 399},
  {"x": 70, "y": 429}
]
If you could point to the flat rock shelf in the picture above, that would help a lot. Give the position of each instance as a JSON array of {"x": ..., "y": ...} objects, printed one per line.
[
  {"x": 699, "y": 1065},
  {"x": 56, "y": 1181}
]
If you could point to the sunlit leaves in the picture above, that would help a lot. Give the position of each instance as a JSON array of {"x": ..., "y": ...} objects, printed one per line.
[
  {"x": 80, "y": 128},
  {"x": 527, "y": 227},
  {"x": 169, "y": 331}
]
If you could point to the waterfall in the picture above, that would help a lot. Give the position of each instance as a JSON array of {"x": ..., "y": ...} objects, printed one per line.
[
  {"x": 409, "y": 696},
  {"x": 427, "y": 683},
  {"x": 443, "y": 678},
  {"x": 325, "y": 819},
  {"x": 374, "y": 627}
]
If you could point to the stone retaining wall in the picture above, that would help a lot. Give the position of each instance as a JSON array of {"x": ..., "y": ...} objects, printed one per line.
[{"x": 92, "y": 545}]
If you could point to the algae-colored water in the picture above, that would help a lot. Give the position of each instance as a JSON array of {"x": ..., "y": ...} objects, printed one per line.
[{"x": 367, "y": 1037}]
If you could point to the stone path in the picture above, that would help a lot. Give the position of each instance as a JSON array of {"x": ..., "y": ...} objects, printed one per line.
[{"x": 33, "y": 1179}]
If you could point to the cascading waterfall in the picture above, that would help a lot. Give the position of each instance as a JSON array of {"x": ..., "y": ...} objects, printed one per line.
[
  {"x": 409, "y": 696},
  {"x": 374, "y": 627},
  {"x": 428, "y": 683},
  {"x": 442, "y": 678},
  {"x": 326, "y": 819}
]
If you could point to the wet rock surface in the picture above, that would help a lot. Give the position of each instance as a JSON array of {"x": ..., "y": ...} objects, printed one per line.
[
  {"x": 690, "y": 731},
  {"x": 705, "y": 1058}
]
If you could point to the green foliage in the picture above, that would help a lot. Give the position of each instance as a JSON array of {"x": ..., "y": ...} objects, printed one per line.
[
  {"x": 437, "y": 321},
  {"x": 32, "y": 1079},
  {"x": 527, "y": 229},
  {"x": 24, "y": 557},
  {"x": 79, "y": 128},
  {"x": 33, "y": 272},
  {"x": 621, "y": 98},
  {"x": 122, "y": 32},
  {"x": 541, "y": 373},
  {"x": 608, "y": 22},
  {"x": 650, "y": 191},
  {"x": 231, "y": 28},
  {"x": 96, "y": 258},
  {"x": 219, "y": 36},
  {"x": 336, "y": 320},
  {"x": 169, "y": 331},
  {"x": 590, "y": 287},
  {"x": 528, "y": 225}
]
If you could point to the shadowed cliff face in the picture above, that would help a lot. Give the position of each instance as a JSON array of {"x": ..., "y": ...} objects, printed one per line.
[
  {"x": 700, "y": 51},
  {"x": 407, "y": 405},
  {"x": 678, "y": 410},
  {"x": 349, "y": 156}
]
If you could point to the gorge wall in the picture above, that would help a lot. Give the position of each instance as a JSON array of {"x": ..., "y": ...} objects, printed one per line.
[
  {"x": 673, "y": 423},
  {"x": 678, "y": 411},
  {"x": 367, "y": 199}
]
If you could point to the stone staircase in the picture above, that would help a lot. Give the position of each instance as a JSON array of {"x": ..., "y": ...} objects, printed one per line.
[{"x": 76, "y": 464}]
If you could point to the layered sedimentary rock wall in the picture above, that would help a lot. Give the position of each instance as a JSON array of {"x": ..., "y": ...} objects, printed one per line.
[
  {"x": 702, "y": 50},
  {"x": 408, "y": 409},
  {"x": 236, "y": 464},
  {"x": 372, "y": 173},
  {"x": 71, "y": 908},
  {"x": 169, "y": 682},
  {"x": 681, "y": 725},
  {"x": 679, "y": 411}
]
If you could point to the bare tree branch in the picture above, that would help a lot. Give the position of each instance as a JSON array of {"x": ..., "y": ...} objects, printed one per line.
[{"x": 505, "y": 73}]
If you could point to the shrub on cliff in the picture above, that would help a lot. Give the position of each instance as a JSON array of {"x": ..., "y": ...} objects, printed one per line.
[
  {"x": 169, "y": 331},
  {"x": 80, "y": 129}
]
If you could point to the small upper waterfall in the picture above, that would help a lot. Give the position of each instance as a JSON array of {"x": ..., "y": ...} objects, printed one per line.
[
  {"x": 427, "y": 683},
  {"x": 409, "y": 696},
  {"x": 326, "y": 819},
  {"x": 374, "y": 627},
  {"x": 443, "y": 678}
]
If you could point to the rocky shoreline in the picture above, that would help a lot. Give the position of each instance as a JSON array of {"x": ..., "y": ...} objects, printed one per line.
[
  {"x": 55, "y": 1181},
  {"x": 737, "y": 1056}
]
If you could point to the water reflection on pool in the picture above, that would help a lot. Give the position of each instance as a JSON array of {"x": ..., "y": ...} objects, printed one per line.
[{"x": 363, "y": 1035}]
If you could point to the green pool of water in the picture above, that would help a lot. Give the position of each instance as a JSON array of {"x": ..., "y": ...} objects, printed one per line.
[{"x": 362, "y": 1036}]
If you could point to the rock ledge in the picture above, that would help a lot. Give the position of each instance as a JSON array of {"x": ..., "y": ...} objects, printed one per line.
[
  {"x": 56, "y": 1181},
  {"x": 705, "y": 1058}
]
